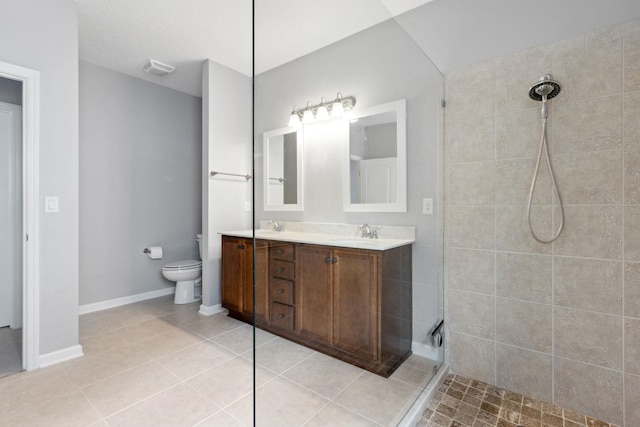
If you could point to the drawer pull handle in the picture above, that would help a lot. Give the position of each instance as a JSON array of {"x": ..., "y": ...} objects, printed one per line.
[
  {"x": 281, "y": 291},
  {"x": 280, "y": 316}
]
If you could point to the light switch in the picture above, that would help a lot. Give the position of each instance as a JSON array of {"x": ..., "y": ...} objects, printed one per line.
[
  {"x": 51, "y": 204},
  {"x": 427, "y": 206}
]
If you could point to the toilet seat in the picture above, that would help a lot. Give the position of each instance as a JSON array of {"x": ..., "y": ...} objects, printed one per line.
[{"x": 190, "y": 264}]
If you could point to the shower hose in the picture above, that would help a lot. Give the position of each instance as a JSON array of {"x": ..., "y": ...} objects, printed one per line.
[{"x": 545, "y": 149}]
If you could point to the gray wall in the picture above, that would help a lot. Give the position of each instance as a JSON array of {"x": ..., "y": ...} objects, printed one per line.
[
  {"x": 378, "y": 65},
  {"x": 559, "y": 322},
  {"x": 140, "y": 164},
  {"x": 43, "y": 35},
  {"x": 10, "y": 91}
]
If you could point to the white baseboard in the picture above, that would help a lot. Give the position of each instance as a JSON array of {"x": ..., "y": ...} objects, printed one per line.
[
  {"x": 103, "y": 305},
  {"x": 60, "y": 356},
  {"x": 424, "y": 350},
  {"x": 210, "y": 310}
]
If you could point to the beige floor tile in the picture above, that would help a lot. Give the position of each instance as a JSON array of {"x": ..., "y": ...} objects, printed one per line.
[
  {"x": 229, "y": 381},
  {"x": 196, "y": 359},
  {"x": 164, "y": 344},
  {"x": 177, "y": 406},
  {"x": 182, "y": 318},
  {"x": 279, "y": 403},
  {"x": 338, "y": 416},
  {"x": 220, "y": 419},
  {"x": 93, "y": 327},
  {"x": 90, "y": 369},
  {"x": 241, "y": 339},
  {"x": 147, "y": 329},
  {"x": 415, "y": 370},
  {"x": 29, "y": 389},
  {"x": 67, "y": 409},
  {"x": 123, "y": 390},
  {"x": 215, "y": 325},
  {"x": 323, "y": 374},
  {"x": 385, "y": 400},
  {"x": 96, "y": 344},
  {"x": 279, "y": 354}
]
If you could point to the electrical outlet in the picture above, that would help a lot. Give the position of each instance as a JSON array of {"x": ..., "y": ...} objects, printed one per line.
[{"x": 427, "y": 206}]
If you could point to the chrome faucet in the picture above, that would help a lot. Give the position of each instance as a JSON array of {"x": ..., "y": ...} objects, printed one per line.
[
  {"x": 276, "y": 225},
  {"x": 368, "y": 231}
]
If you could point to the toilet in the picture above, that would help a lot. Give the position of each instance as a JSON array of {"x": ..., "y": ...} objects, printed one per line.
[{"x": 186, "y": 274}]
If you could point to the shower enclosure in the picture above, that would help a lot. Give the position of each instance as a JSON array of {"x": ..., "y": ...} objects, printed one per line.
[{"x": 328, "y": 316}]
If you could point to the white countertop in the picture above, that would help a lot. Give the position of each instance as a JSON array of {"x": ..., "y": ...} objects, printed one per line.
[{"x": 343, "y": 241}]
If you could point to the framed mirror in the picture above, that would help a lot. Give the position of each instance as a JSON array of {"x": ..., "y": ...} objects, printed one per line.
[
  {"x": 282, "y": 153},
  {"x": 375, "y": 160}
]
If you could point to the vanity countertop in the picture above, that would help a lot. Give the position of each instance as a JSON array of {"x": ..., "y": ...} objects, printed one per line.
[{"x": 343, "y": 241}]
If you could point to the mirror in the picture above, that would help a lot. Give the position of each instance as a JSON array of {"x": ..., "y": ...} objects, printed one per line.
[
  {"x": 282, "y": 151},
  {"x": 375, "y": 160}
]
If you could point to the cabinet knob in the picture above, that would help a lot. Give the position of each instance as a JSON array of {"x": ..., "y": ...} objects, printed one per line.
[
  {"x": 333, "y": 261},
  {"x": 240, "y": 246},
  {"x": 280, "y": 269},
  {"x": 281, "y": 291},
  {"x": 280, "y": 316},
  {"x": 328, "y": 260},
  {"x": 280, "y": 251}
]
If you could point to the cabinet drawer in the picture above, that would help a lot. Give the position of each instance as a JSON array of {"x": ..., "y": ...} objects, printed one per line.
[
  {"x": 282, "y": 269},
  {"x": 282, "y": 315},
  {"x": 282, "y": 251},
  {"x": 282, "y": 291}
]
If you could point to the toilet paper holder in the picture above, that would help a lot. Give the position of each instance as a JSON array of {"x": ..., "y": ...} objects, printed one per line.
[{"x": 146, "y": 251}]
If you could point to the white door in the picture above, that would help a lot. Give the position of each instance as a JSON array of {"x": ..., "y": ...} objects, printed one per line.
[
  {"x": 379, "y": 180},
  {"x": 10, "y": 214}
]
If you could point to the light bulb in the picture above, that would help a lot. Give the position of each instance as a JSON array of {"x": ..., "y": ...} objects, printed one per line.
[
  {"x": 322, "y": 113},
  {"x": 337, "y": 110},
  {"x": 307, "y": 117},
  {"x": 294, "y": 120}
]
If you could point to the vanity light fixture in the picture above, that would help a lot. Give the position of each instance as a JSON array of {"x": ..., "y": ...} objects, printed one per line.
[{"x": 323, "y": 110}]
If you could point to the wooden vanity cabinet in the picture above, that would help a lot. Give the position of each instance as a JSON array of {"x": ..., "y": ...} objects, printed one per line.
[
  {"x": 314, "y": 295},
  {"x": 282, "y": 285},
  {"x": 352, "y": 304},
  {"x": 237, "y": 278}
]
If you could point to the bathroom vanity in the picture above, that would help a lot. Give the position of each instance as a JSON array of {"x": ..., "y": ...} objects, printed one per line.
[{"x": 346, "y": 297}]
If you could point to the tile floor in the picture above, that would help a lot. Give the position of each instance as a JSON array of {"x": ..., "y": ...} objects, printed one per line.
[
  {"x": 463, "y": 402},
  {"x": 10, "y": 351},
  {"x": 159, "y": 364}
]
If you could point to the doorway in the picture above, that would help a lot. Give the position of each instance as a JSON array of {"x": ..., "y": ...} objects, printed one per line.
[
  {"x": 11, "y": 226},
  {"x": 24, "y": 239}
]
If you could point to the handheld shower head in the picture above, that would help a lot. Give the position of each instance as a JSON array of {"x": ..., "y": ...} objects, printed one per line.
[{"x": 544, "y": 89}]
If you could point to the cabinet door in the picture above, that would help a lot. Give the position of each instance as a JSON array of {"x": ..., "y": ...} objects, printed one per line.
[
  {"x": 262, "y": 279},
  {"x": 233, "y": 272},
  {"x": 314, "y": 287},
  {"x": 355, "y": 302}
]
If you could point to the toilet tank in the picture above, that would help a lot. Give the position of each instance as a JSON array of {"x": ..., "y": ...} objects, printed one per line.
[{"x": 199, "y": 239}]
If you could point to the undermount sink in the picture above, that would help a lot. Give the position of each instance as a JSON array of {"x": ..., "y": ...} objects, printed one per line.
[{"x": 351, "y": 240}]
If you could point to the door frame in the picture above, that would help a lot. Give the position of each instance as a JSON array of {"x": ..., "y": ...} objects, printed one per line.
[{"x": 30, "y": 210}]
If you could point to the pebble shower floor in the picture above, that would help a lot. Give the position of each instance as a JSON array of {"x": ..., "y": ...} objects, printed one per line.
[{"x": 464, "y": 402}]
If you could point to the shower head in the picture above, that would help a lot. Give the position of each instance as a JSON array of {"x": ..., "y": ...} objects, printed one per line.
[{"x": 544, "y": 89}]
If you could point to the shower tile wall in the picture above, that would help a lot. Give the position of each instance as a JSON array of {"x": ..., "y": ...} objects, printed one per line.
[{"x": 557, "y": 322}]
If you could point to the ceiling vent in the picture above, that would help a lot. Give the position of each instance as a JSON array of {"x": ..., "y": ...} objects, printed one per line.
[{"x": 157, "y": 68}]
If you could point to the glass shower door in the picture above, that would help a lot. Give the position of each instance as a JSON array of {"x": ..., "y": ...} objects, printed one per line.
[{"x": 347, "y": 289}]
